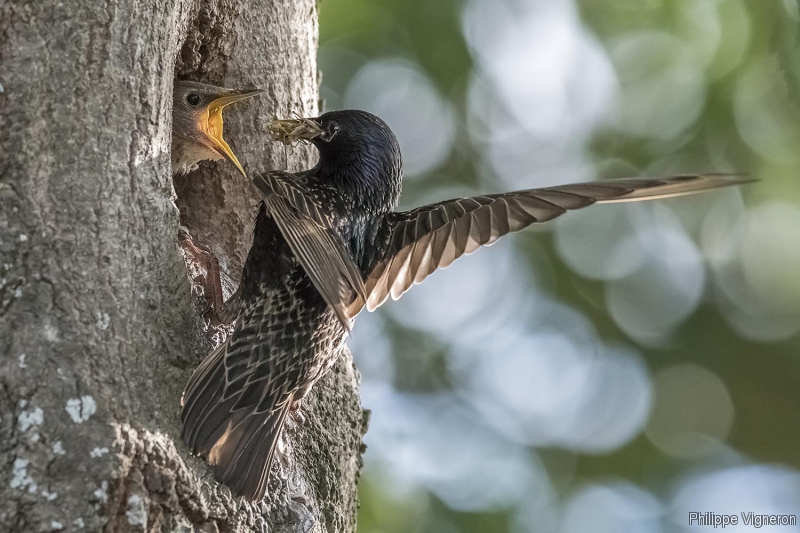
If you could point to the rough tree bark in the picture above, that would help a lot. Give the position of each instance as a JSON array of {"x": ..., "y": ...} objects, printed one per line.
[{"x": 99, "y": 329}]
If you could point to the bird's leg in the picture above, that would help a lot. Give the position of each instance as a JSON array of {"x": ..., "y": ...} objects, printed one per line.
[
  {"x": 204, "y": 269},
  {"x": 295, "y": 412}
]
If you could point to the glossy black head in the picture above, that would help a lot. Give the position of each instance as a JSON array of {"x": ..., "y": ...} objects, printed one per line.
[
  {"x": 349, "y": 129},
  {"x": 356, "y": 148},
  {"x": 356, "y": 145}
]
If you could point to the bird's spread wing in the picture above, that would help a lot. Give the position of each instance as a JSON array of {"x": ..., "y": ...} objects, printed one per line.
[
  {"x": 318, "y": 247},
  {"x": 433, "y": 236}
]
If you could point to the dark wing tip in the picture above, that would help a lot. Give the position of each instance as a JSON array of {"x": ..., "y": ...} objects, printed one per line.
[
  {"x": 639, "y": 189},
  {"x": 734, "y": 178}
]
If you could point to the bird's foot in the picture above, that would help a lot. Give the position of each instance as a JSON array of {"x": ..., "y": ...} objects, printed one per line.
[
  {"x": 203, "y": 268},
  {"x": 296, "y": 413}
]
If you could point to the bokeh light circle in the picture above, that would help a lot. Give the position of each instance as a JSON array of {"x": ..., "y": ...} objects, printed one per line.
[{"x": 692, "y": 412}]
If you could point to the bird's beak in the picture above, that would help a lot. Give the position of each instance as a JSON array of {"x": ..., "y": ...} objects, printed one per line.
[
  {"x": 214, "y": 123},
  {"x": 289, "y": 131}
]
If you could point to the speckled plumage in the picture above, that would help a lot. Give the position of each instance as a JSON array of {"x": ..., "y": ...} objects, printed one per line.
[
  {"x": 285, "y": 338},
  {"x": 286, "y": 335},
  {"x": 298, "y": 296}
]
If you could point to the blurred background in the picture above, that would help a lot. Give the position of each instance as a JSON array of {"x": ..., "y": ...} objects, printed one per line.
[{"x": 623, "y": 365}]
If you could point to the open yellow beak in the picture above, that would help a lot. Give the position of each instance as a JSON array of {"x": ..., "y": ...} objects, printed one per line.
[{"x": 214, "y": 124}]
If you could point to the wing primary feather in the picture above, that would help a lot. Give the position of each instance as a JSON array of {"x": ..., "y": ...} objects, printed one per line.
[
  {"x": 435, "y": 235},
  {"x": 420, "y": 257},
  {"x": 463, "y": 230}
]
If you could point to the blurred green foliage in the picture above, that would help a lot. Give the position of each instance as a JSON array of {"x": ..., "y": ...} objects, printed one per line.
[{"x": 748, "y": 120}]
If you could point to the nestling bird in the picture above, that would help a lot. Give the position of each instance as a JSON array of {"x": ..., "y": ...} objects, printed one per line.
[
  {"x": 197, "y": 136},
  {"x": 197, "y": 124},
  {"x": 327, "y": 243}
]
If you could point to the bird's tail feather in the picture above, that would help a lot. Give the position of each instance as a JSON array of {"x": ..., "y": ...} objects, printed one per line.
[
  {"x": 241, "y": 458},
  {"x": 238, "y": 443},
  {"x": 203, "y": 414}
]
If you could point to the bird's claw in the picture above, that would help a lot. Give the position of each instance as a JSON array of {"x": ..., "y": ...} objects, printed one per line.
[
  {"x": 203, "y": 268},
  {"x": 295, "y": 411}
]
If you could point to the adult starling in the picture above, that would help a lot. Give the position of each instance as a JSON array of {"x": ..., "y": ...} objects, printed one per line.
[
  {"x": 327, "y": 242},
  {"x": 197, "y": 124}
]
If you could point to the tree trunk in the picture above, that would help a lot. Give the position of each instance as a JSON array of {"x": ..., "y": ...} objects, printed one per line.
[{"x": 99, "y": 330}]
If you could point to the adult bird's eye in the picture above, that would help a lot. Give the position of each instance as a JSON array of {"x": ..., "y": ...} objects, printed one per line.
[
  {"x": 333, "y": 129},
  {"x": 193, "y": 99}
]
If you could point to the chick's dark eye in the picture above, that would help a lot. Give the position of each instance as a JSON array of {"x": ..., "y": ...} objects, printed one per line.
[
  {"x": 334, "y": 128},
  {"x": 193, "y": 99}
]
